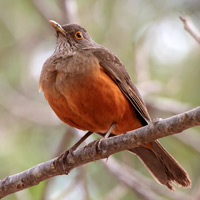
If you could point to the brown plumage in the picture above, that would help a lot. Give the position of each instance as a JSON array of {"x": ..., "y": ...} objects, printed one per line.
[{"x": 89, "y": 88}]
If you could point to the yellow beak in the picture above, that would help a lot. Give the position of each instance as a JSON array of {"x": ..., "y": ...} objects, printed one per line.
[{"x": 57, "y": 27}]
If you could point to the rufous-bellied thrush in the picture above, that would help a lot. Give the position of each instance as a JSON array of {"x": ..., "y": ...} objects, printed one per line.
[{"x": 89, "y": 88}]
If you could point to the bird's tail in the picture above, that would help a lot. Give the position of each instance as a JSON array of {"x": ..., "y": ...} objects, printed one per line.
[{"x": 161, "y": 165}]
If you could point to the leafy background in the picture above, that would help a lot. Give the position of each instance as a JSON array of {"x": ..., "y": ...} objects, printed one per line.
[{"x": 162, "y": 59}]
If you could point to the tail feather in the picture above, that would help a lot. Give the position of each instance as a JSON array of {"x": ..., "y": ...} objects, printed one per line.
[{"x": 162, "y": 166}]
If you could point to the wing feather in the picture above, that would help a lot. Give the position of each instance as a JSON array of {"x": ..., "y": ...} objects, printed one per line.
[{"x": 116, "y": 70}]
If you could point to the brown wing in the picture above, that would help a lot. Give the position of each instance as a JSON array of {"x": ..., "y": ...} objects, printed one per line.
[{"x": 116, "y": 70}]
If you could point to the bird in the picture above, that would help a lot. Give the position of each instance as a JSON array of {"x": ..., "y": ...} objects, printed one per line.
[{"x": 89, "y": 88}]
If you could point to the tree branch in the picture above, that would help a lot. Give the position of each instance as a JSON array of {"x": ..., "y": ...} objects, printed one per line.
[{"x": 100, "y": 149}]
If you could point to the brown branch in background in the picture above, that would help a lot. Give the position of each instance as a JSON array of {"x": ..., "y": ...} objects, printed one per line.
[
  {"x": 190, "y": 139},
  {"x": 83, "y": 183},
  {"x": 33, "y": 111},
  {"x": 141, "y": 63},
  {"x": 43, "y": 9},
  {"x": 191, "y": 28},
  {"x": 69, "y": 134},
  {"x": 65, "y": 140},
  {"x": 69, "y": 11},
  {"x": 142, "y": 186},
  {"x": 166, "y": 105},
  {"x": 117, "y": 191},
  {"x": 130, "y": 181},
  {"x": 66, "y": 191},
  {"x": 99, "y": 150},
  {"x": 196, "y": 193}
]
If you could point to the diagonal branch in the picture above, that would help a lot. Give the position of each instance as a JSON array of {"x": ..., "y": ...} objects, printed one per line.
[{"x": 100, "y": 149}]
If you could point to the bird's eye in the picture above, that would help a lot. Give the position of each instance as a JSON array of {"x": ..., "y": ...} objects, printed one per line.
[{"x": 79, "y": 35}]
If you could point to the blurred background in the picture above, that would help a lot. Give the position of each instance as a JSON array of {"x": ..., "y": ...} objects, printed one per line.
[{"x": 162, "y": 59}]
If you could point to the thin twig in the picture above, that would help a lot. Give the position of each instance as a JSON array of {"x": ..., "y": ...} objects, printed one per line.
[
  {"x": 190, "y": 28},
  {"x": 99, "y": 150}
]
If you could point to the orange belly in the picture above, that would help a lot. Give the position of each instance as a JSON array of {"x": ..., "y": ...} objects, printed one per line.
[{"x": 93, "y": 102}]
